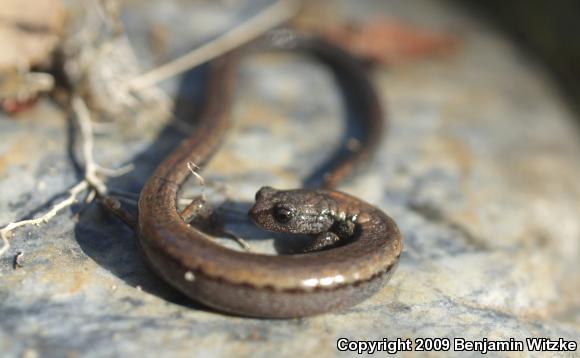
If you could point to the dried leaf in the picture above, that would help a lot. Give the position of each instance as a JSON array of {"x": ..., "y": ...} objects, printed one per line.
[{"x": 389, "y": 41}]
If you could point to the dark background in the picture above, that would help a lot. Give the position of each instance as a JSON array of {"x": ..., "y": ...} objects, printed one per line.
[{"x": 548, "y": 30}]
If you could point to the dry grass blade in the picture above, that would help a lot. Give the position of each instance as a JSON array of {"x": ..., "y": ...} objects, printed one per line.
[
  {"x": 267, "y": 19},
  {"x": 71, "y": 199}
]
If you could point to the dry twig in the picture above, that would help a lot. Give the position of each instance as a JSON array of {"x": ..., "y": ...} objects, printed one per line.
[
  {"x": 73, "y": 192},
  {"x": 91, "y": 180},
  {"x": 269, "y": 18},
  {"x": 272, "y": 16},
  {"x": 193, "y": 168},
  {"x": 84, "y": 120}
]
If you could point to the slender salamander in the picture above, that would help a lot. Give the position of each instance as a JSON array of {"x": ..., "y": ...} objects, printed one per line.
[{"x": 355, "y": 246}]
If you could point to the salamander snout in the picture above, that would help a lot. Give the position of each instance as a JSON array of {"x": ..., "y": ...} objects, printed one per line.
[{"x": 259, "y": 213}]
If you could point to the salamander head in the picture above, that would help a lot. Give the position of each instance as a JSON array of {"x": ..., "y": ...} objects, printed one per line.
[{"x": 299, "y": 211}]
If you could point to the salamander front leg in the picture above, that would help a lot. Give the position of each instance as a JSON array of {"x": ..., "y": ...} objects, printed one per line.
[{"x": 323, "y": 241}]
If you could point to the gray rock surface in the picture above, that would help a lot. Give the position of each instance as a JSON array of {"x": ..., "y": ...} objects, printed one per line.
[{"x": 480, "y": 169}]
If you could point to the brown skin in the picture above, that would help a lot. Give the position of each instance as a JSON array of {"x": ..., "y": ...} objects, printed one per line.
[
  {"x": 310, "y": 212},
  {"x": 356, "y": 246}
]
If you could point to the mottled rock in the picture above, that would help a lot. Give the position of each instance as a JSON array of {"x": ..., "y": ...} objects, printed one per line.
[{"x": 480, "y": 169}]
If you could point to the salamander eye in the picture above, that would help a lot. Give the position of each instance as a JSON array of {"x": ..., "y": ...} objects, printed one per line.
[{"x": 283, "y": 215}]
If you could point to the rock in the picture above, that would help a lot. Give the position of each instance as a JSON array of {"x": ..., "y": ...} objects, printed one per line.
[{"x": 479, "y": 169}]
